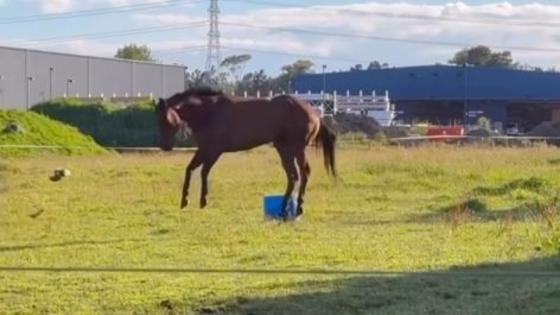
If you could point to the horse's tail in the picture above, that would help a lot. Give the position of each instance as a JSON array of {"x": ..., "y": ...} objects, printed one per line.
[{"x": 327, "y": 137}]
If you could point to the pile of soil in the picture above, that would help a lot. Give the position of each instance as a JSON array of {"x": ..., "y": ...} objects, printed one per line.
[
  {"x": 480, "y": 132},
  {"x": 352, "y": 123},
  {"x": 546, "y": 129},
  {"x": 396, "y": 132}
]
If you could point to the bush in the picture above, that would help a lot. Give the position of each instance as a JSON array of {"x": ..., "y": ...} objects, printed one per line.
[{"x": 134, "y": 125}]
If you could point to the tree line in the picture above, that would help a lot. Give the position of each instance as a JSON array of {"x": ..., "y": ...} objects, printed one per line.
[{"x": 232, "y": 78}]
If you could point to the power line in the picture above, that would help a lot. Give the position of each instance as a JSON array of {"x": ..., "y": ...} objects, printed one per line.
[
  {"x": 509, "y": 22},
  {"x": 387, "y": 39},
  {"x": 95, "y": 12},
  {"x": 143, "y": 30},
  {"x": 272, "y": 52},
  {"x": 181, "y": 50}
]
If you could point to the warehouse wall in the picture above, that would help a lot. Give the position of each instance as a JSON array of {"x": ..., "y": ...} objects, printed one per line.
[{"x": 55, "y": 74}]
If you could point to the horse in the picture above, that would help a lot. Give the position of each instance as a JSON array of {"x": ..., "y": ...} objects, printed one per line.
[{"x": 220, "y": 123}]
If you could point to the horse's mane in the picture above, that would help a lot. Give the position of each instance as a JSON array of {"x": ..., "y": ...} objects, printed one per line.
[
  {"x": 196, "y": 91},
  {"x": 204, "y": 91}
]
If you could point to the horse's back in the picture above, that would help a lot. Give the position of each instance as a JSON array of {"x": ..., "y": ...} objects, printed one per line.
[{"x": 249, "y": 123}]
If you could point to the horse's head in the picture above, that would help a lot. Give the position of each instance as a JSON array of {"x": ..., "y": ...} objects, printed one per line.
[
  {"x": 190, "y": 108},
  {"x": 169, "y": 123}
]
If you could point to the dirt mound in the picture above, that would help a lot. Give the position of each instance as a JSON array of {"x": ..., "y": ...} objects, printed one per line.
[
  {"x": 480, "y": 132},
  {"x": 546, "y": 129},
  {"x": 352, "y": 123},
  {"x": 396, "y": 132}
]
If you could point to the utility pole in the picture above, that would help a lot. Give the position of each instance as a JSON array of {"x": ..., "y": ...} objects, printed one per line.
[{"x": 213, "y": 57}]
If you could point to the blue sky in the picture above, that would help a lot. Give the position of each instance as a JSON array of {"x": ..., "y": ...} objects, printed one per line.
[{"x": 401, "y": 33}]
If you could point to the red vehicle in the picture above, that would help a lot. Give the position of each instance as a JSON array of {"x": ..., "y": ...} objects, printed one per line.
[{"x": 446, "y": 131}]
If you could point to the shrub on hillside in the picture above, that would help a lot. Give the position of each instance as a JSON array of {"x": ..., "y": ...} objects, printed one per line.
[{"x": 133, "y": 125}]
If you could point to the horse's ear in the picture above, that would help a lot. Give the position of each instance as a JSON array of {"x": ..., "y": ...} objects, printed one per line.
[{"x": 173, "y": 117}]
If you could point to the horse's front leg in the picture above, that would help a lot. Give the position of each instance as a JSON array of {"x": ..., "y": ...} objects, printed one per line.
[
  {"x": 208, "y": 162},
  {"x": 195, "y": 162}
]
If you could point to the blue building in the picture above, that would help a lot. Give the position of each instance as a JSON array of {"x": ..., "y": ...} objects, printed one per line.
[{"x": 452, "y": 94}]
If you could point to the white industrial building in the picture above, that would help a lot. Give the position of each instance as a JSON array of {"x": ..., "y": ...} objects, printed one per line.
[{"x": 28, "y": 77}]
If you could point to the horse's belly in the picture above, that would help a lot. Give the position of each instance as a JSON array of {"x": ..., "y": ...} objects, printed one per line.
[{"x": 250, "y": 138}]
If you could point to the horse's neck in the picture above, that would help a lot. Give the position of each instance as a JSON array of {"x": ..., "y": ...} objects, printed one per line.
[{"x": 197, "y": 118}]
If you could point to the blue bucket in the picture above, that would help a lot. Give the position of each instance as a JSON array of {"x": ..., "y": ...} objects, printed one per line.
[{"x": 272, "y": 205}]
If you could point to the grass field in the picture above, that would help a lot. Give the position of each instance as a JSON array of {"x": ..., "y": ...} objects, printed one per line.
[{"x": 423, "y": 210}]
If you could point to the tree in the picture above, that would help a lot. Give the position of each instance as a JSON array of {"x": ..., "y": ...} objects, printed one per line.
[
  {"x": 234, "y": 64},
  {"x": 483, "y": 56},
  {"x": 135, "y": 52},
  {"x": 195, "y": 78},
  {"x": 376, "y": 65},
  {"x": 253, "y": 82},
  {"x": 357, "y": 67},
  {"x": 301, "y": 66}
]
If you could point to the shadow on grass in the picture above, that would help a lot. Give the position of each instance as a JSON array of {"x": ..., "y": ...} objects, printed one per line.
[
  {"x": 66, "y": 244},
  {"x": 533, "y": 184},
  {"x": 419, "y": 293},
  {"x": 474, "y": 208},
  {"x": 554, "y": 161}
]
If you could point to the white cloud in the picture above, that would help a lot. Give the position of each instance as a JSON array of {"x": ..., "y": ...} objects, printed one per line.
[
  {"x": 499, "y": 25},
  {"x": 60, "y": 6},
  {"x": 56, "y": 6},
  {"x": 167, "y": 18}
]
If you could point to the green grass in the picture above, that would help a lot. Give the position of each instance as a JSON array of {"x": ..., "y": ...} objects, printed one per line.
[
  {"x": 40, "y": 130},
  {"x": 425, "y": 209}
]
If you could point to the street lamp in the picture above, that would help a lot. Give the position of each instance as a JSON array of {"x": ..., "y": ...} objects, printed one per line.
[
  {"x": 324, "y": 89},
  {"x": 28, "y": 98},
  {"x": 324, "y": 78},
  {"x": 2, "y": 78},
  {"x": 68, "y": 82},
  {"x": 51, "y": 82},
  {"x": 465, "y": 107}
]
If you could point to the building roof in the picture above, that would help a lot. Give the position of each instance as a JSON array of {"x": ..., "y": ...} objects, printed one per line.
[
  {"x": 439, "y": 82},
  {"x": 89, "y": 56}
]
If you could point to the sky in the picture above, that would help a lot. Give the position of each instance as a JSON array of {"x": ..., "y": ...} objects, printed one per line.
[{"x": 334, "y": 33}]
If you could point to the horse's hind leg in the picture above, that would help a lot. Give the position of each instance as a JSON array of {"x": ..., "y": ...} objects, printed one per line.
[
  {"x": 288, "y": 162},
  {"x": 304, "y": 171}
]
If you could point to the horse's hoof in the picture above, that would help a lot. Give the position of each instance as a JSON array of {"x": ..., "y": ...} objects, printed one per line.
[
  {"x": 184, "y": 203},
  {"x": 203, "y": 204}
]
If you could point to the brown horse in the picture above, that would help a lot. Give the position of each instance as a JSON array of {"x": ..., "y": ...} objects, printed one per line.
[{"x": 220, "y": 123}]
